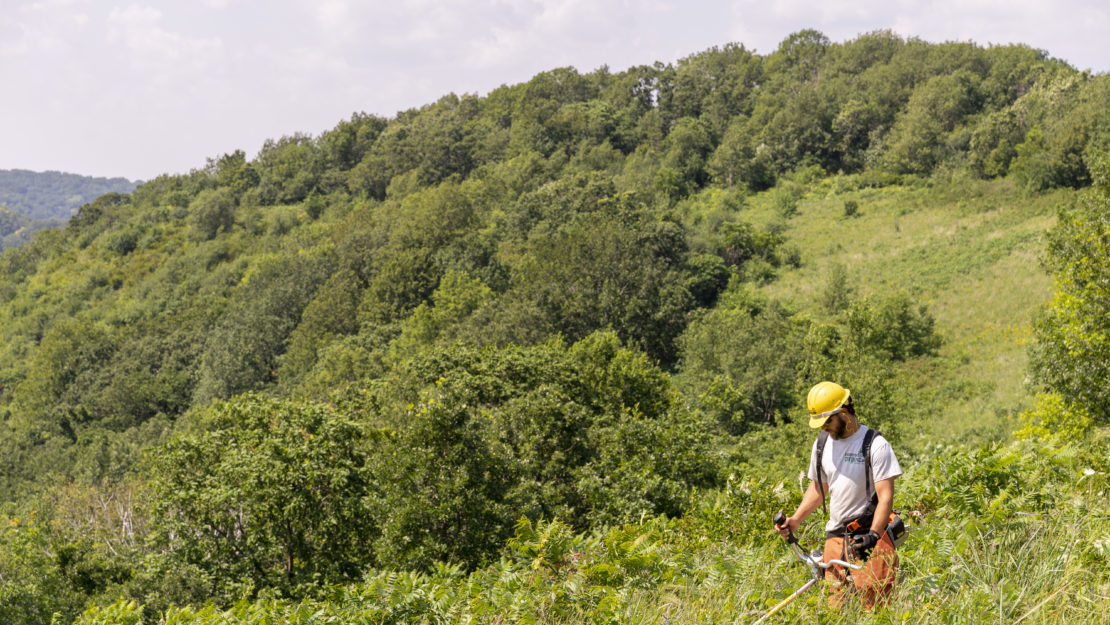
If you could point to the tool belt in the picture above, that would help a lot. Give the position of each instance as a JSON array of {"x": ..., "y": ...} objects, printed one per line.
[
  {"x": 859, "y": 525},
  {"x": 895, "y": 527}
]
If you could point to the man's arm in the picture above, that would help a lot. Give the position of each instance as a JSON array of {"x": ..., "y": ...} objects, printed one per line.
[
  {"x": 884, "y": 490},
  {"x": 810, "y": 502}
]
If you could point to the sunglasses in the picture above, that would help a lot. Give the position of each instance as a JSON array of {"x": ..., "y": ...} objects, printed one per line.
[{"x": 828, "y": 414}]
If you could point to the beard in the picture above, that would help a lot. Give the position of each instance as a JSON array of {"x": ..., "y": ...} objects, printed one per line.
[{"x": 837, "y": 427}]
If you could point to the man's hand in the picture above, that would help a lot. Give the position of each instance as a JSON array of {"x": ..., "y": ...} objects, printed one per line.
[
  {"x": 790, "y": 525},
  {"x": 864, "y": 543}
]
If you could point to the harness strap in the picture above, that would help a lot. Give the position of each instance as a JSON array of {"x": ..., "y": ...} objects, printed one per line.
[
  {"x": 819, "y": 453},
  {"x": 866, "y": 450}
]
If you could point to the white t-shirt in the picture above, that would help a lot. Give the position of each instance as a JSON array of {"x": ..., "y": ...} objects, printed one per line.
[{"x": 842, "y": 464}]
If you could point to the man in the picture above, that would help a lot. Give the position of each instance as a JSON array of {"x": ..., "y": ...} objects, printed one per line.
[{"x": 859, "y": 504}]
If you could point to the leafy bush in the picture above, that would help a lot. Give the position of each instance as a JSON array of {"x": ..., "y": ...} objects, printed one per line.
[
  {"x": 893, "y": 326},
  {"x": 266, "y": 493},
  {"x": 443, "y": 487},
  {"x": 591, "y": 433},
  {"x": 1071, "y": 355},
  {"x": 740, "y": 360},
  {"x": 32, "y": 584}
]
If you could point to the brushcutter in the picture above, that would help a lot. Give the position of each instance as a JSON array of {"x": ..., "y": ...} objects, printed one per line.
[{"x": 811, "y": 559}]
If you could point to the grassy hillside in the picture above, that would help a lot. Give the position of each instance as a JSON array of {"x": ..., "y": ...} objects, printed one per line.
[
  {"x": 968, "y": 250},
  {"x": 985, "y": 509}
]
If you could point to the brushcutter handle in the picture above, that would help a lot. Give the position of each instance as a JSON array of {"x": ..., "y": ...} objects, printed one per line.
[
  {"x": 814, "y": 560},
  {"x": 780, "y": 522}
]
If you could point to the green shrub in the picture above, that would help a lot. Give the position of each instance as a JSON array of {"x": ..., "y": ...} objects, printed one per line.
[
  {"x": 1071, "y": 353},
  {"x": 267, "y": 493},
  {"x": 894, "y": 326}
]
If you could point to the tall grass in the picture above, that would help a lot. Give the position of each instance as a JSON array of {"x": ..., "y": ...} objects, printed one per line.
[{"x": 1014, "y": 533}]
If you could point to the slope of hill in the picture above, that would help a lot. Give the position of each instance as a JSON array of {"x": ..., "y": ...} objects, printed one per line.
[
  {"x": 598, "y": 298},
  {"x": 970, "y": 251},
  {"x": 52, "y": 194}
]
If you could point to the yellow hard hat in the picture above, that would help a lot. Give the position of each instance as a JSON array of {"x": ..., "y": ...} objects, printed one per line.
[{"x": 824, "y": 400}]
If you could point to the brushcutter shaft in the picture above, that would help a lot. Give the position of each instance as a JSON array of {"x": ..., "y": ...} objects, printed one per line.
[
  {"x": 787, "y": 600},
  {"x": 814, "y": 560},
  {"x": 831, "y": 563}
]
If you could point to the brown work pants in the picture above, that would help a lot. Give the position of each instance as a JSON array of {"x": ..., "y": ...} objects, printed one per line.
[{"x": 873, "y": 584}]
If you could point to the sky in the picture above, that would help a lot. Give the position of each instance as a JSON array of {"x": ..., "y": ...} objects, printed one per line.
[{"x": 135, "y": 89}]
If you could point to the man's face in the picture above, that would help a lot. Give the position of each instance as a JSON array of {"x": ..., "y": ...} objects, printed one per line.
[{"x": 835, "y": 426}]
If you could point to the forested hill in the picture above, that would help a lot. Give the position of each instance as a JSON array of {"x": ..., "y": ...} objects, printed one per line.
[
  {"x": 31, "y": 201},
  {"x": 592, "y": 297},
  {"x": 52, "y": 194}
]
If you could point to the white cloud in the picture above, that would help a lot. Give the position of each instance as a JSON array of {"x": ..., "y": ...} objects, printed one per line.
[
  {"x": 150, "y": 46},
  {"x": 55, "y": 5},
  {"x": 40, "y": 28},
  {"x": 336, "y": 19}
]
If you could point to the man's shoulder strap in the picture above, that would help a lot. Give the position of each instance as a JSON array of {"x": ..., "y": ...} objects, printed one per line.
[
  {"x": 817, "y": 455},
  {"x": 821, "y": 438},
  {"x": 868, "y": 438}
]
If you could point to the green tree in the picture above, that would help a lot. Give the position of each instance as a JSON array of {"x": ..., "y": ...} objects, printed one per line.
[
  {"x": 235, "y": 174},
  {"x": 333, "y": 312},
  {"x": 592, "y": 434},
  {"x": 993, "y": 144},
  {"x": 742, "y": 356},
  {"x": 344, "y": 146},
  {"x": 454, "y": 300},
  {"x": 741, "y": 160},
  {"x": 1071, "y": 354},
  {"x": 264, "y": 493},
  {"x": 919, "y": 140},
  {"x": 838, "y": 291},
  {"x": 798, "y": 57},
  {"x": 241, "y": 352},
  {"x": 425, "y": 235},
  {"x": 444, "y": 487},
  {"x": 716, "y": 85},
  {"x": 892, "y": 326},
  {"x": 289, "y": 169},
  {"x": 597, "y": 273},
  {"x": 687, "y": 147},
  {"x": 1034, "y": 167},
  {"x": 64, "y": 377},
  {"x": 37, "y": 575},
  {"x": 212, "y": 211}
]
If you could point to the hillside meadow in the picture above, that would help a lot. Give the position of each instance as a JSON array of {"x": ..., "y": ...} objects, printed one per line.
[{"x": 971, "y": 252}]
